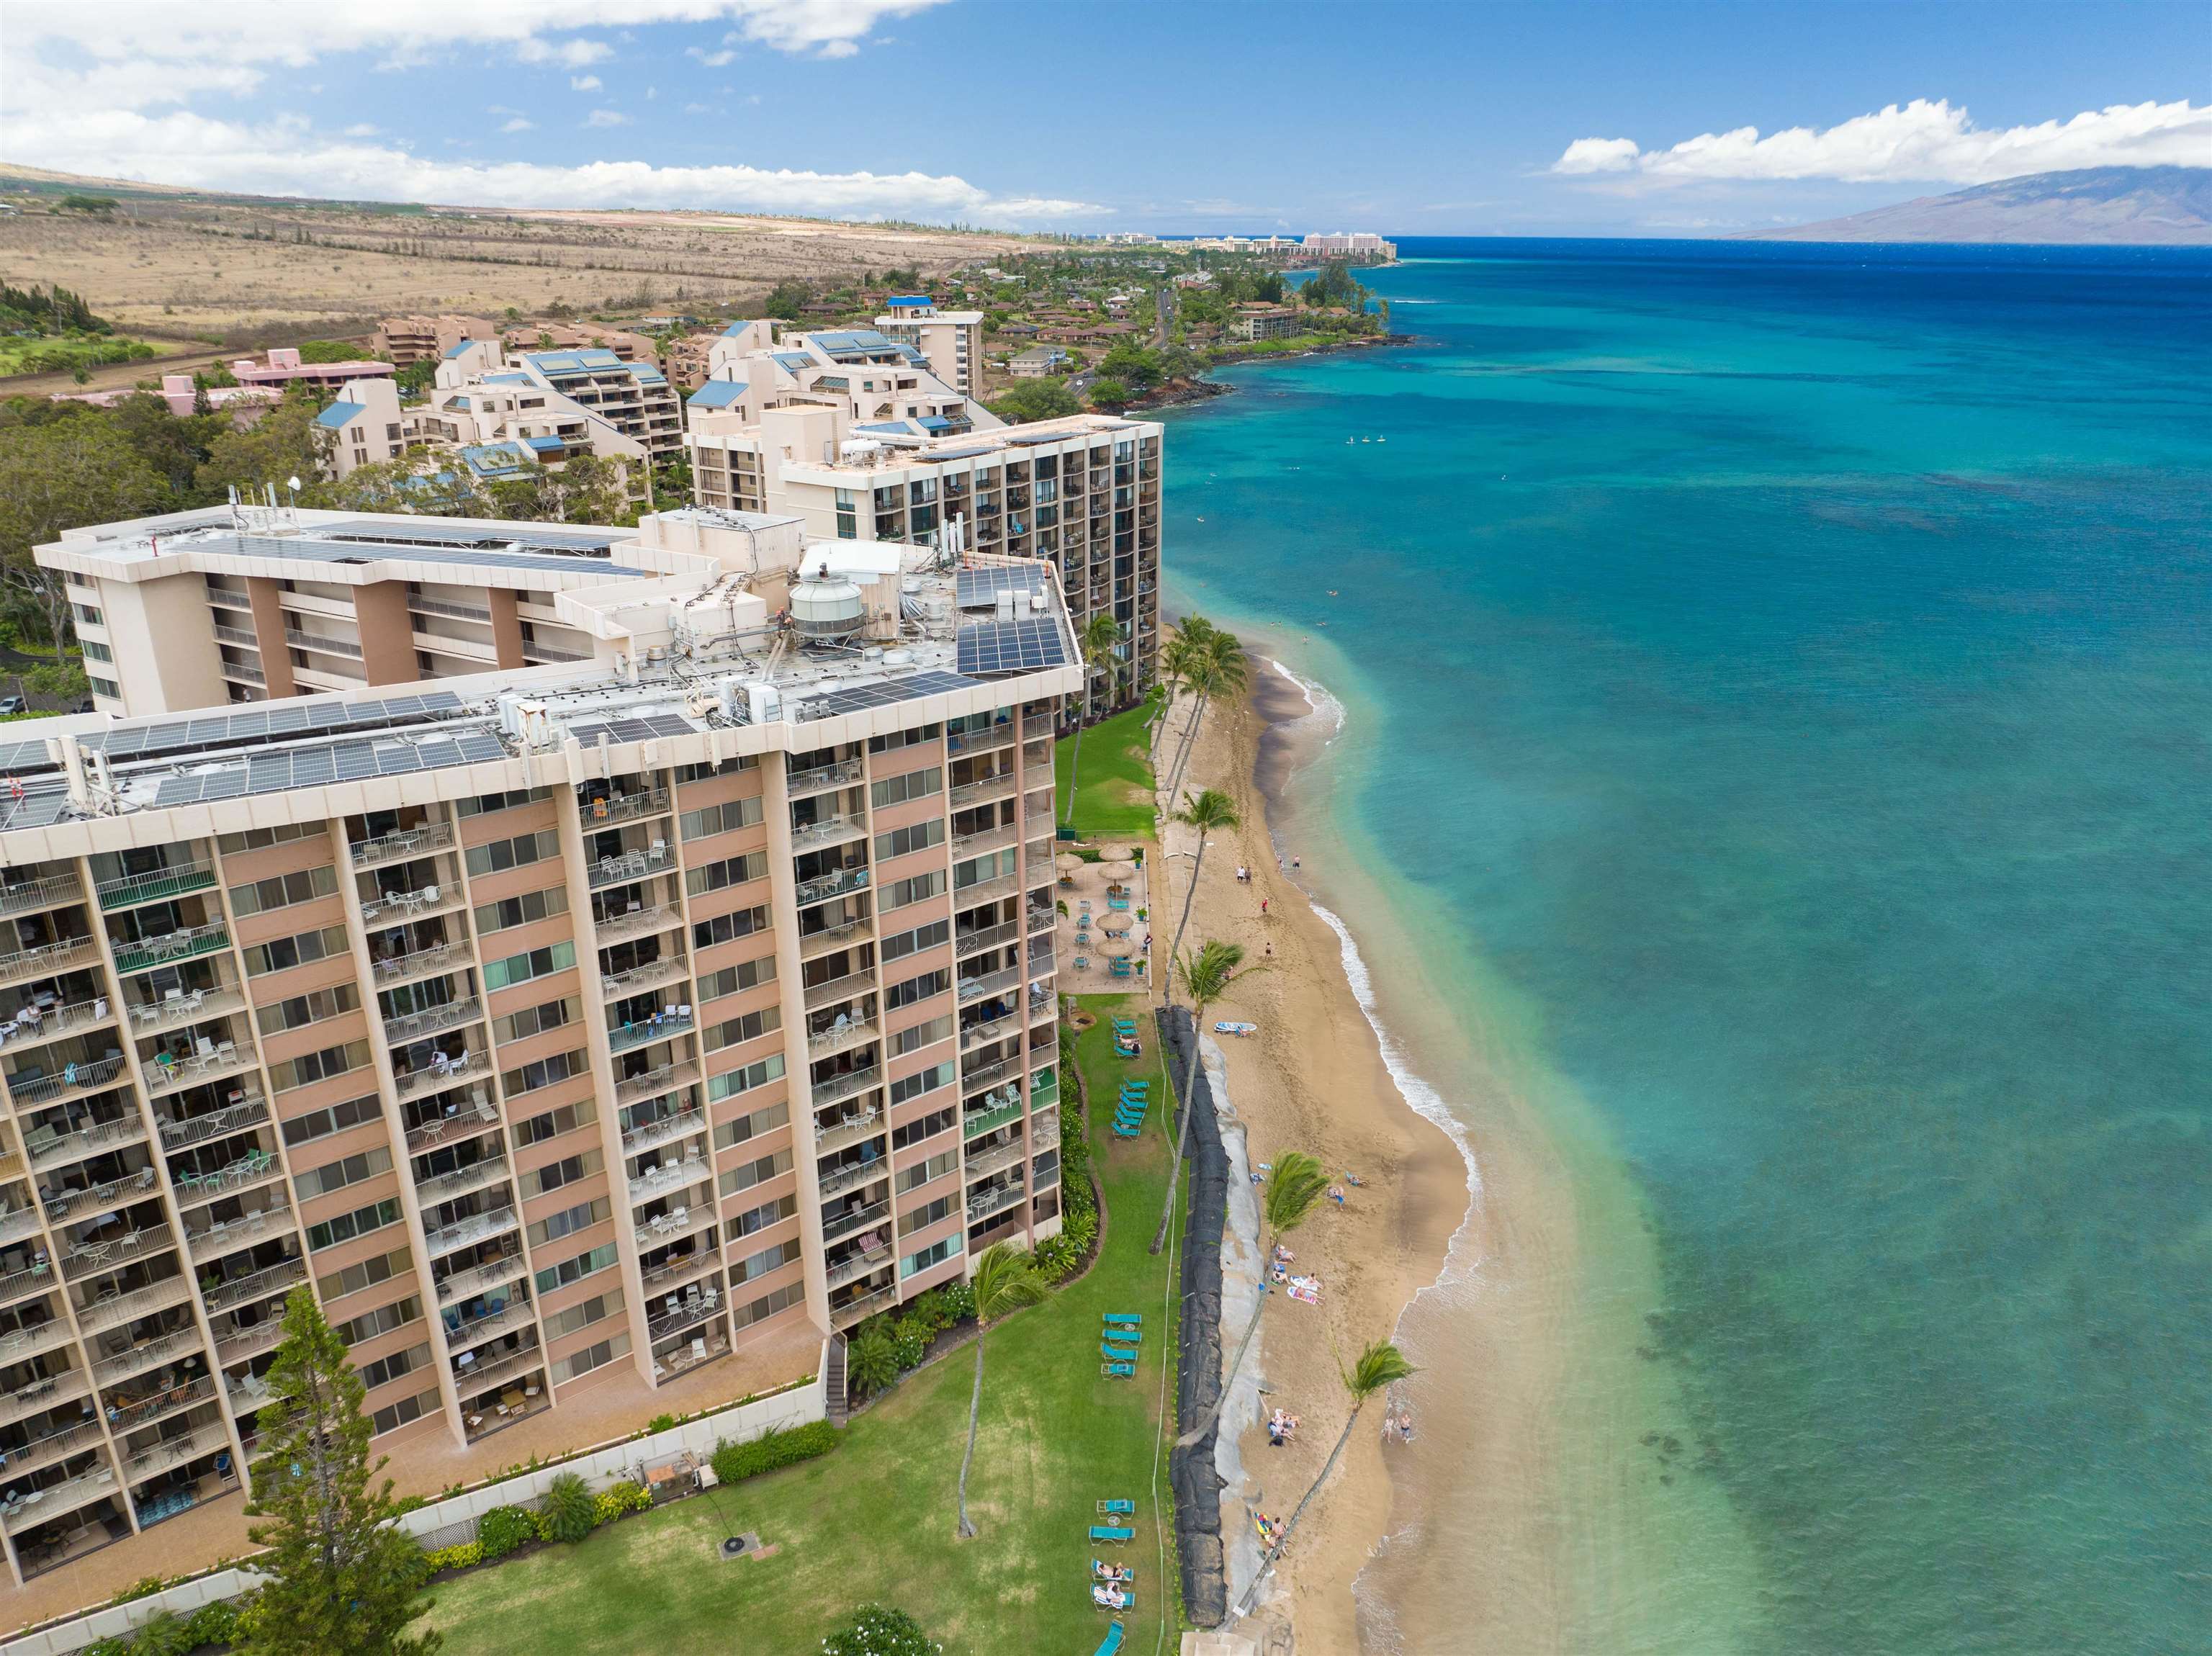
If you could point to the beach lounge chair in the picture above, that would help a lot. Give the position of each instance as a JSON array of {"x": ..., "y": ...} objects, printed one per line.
[
  {"x": 1101, "y": 1533},
  {"x": 1131, "y": 1122},
  {"x": 1128, "y": 1600},
  {"x": 1119, "y": 1353},
  {"x": 1118, "y": 1371},
  {"x": 1116, "y": 1508},
  {"x": 1134, "y": 1336},
  {"x": 1125, "y": 1026},
  {"x": 1134, "y": 1129},
  {"x": 1118, "y": 966},
  {"x": 1124, "y": 1319},
  {"x": 1117, "y": 902},
  {"x": 1112, "y": 1642},
  {"x": 1131, "y": 1110}
]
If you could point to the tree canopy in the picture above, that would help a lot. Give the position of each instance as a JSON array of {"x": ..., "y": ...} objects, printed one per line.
[{"x": 1027, "y": 400}]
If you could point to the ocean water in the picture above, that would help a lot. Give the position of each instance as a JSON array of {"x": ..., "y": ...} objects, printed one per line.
[{"x": 1779, "y": 697}]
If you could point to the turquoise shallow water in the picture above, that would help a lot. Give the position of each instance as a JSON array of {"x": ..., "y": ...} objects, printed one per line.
[{"x": 1795, "y": 670}]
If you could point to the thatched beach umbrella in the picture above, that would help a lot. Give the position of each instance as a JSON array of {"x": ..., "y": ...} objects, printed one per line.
[
  {"x": 1120, "y": 868},
  {"x": 1116, "y": 923},
  {"x": 1067, "y": 862},
  {"x": 1118, "y": 946}
]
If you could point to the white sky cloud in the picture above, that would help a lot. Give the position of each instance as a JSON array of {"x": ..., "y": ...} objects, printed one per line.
[
  {"x": 711, "y": 59},
  {"x": 570, "y": 54},
  {"x": 1918, "y": 143},
  {"x": 286, "y": 156},
  {"x": 518, "y": 123},
  {"x": 606, "y": 117},
  {"x": 585, "y": 83}
]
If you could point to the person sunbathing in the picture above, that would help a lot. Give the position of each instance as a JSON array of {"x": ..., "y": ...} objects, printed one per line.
[
  {"x": 1106, "y": 1572},
  {"x": 1109, "y": 1598}
]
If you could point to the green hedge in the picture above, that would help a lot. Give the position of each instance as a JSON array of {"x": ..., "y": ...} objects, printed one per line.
[{"x": 735, "y": 1462}]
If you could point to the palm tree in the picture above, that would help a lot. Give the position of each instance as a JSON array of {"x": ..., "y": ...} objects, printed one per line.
[
  {"x": 1006, "y": 1280},
  {"x": 1222, "y": 668},
  {"x": 1157, "y": 700},
  {"x": 1294, "y": 1190},
  {"x": 1209, "y": 810},
  {"x": 1206, "y": 977},
  {"x": 1381, "y": 1366},
  {"x": 1182, "y": 652},
  {"x": 1100, "y": 641}
]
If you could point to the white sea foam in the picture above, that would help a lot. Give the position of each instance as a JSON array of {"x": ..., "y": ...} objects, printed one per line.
[{"x": 1319, "y": 701}]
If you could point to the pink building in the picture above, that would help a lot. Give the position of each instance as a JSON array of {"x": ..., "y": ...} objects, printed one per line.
[{"x": 284, "y": 367}]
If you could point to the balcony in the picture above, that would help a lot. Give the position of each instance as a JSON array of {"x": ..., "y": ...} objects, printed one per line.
[
  {"x": 481, "y": 1278},
  {"x": 151, "y": 1354},
  {"x": 974, "y": 942},
  {"x": 55, "y": 1446},
  {"x": 979, "y": 1076},
  {"x": 677, "y": 1267},
  {"x": 180, "y": 1006},
  {"x": 690, "y": 1313},
  {"x": 666, "y": 1078},
  {"x": 695, "y": 1168},
  {"x": 90, "y": 1259},
  {"x": 486, "y": 1375},
  {"x": 97, "y": 1198},
  {"x": 673, "y": 1226},
  {"x": 985, "y": 891},
  {"x": 828, "y": 831},
  {"x": 477, "y": 1227},
  {"x": 27, "y": 896},
  {"x": 49, "y": 1149},
  {"x": 440, "y": 607},
  {"x": 414, "y": 1026},
  {"x": 863, "y": 1307},
  {"x": 989, "y": 983},
  {"x": 254, "y": 1168},
  {"x": 849, "y": 1130},
  {"x": 475, "y": 1330},
  {"x": 998, "y": 736},
  {"x": 839, "y": 884},
  {"x": 174, "y": 881},
  {"x": 630, "y": 865},
  {"x": 436, "y": 1077},
  {"x": 441, "y": 957},
  {"x": 837, "y": 1226},
  {"x": 48, "y": 958},
  {"x": 639, "y": 923},
  {"x": 1036, "y": 725},
  {"x": 451, "y": 1186},
  {"x": 401, "y": 844},
  {"x": 36, "y": 1278},
  {"x": 650, "y": 1135},
  {"x": 1044, "y": 1091},
  {"x": 965, "y": 845},
  {"x": 213, "y": 1238},
  {"x": 846, "y": 1085},
  {"x": 977, "y": 1123},
  {"x": 981, "y": 1205},
  {"x": 829, "y": 993},
  {"x": 56, "y": 1499},
  {"x": 840, "y": 1037},
  {"x": 166, "y": 1075},
  {"x": 71, "y": 1080},
  {"x": 859, "y": 1262},
  {"x": 456, "y": 1126},
  {"x": 175, "y": 1452},
  {"x": 171, "y": 947},
  {"x": 831, "y": 939},
  {"x": 842, "y": 774},
  {"x": 859, "y": 1176},
  {"x": 978, "y": 1034},
  {"x": 162, "y": 1404},
  {"x": 27, "y": 1342},
  {"x": 40, "y": 1394},
  {"x": 996, "y": 1159},
  {"x": 639, "y": 978},
  {"x": 242, "y": 1344},
  {"x": 1038, "y": 921},
  {"x": 623, "y": 807},
  {"x": 265, "y": 1283},
  {"x": 1044, "y": 1126},
  {"x": 391, "y": 908},
  {"x": 989, "y": 789}
]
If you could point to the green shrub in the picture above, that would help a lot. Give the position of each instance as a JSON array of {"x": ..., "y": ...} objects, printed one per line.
[
  {"x": 909, "y": 1341},
  {"x": 871, "y": 1362},
  {"x": 166, "y": 1634},
  {"x": 878, "y": 1631},
  {"x": 1057, "y": 1257},
  {"x": 928, "y": 1309},
  {"x": 734, "y": 1462},
  {"x": 661, "y": 1423},
  {"x": 503, "y": 1529},
  {"x": 610, "y": 1504},
  {"x": 459, "y": 1557},
  {"x": 960, "y": 1301},
  {"x": 569, "y": 1509},
  {"x": 144, "y": 1587}
]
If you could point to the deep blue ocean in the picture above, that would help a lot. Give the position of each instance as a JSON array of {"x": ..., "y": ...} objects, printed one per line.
[{"x": 1789, "y": 668}]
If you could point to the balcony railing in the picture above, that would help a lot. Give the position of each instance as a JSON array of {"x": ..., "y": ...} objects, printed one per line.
[
  {"x": 688, "y": 1314},
  {"x": 673, "y": 1226},
  {"x": 858, "y": 1309},
  {"x": 21, "y": 897},
  {"x": 479, "y": 1278},
  {"x": 979, "y": 1122},
  {"x": 831, "y": 939},
  {"x": 998, "y": 736},
  {"x": 159, "y": 882},
  {"x": 411, "y": 1084},
  {"x": 974, "y": 942},
  {"x": 977, "y": 1034},
  {"x": 997, "y": 1200},
  {"x": 441, "y": 957},
  {"x": 453, "y": 1186},
  {"x": 521, "y": 1362},
  {"x": 625, "y": 807},
  {"x": 859, "y": 1175},
  {"x": 830, "y": 831},
  {"x": 638, "y": 922},
  {"x": 180, "y": 945},
  {"x": 59, "y": 1498},
  {"x": 175, "y": 1452},
  {"x": 827, "y": 1043},
  {"x": 48, "y": 957},
  {"x": 639, "y": 978},
  {"x": 650, "y": 1134},
  {"x": 174, "y": 1077},
  {"x": 76, "y": 1146},
  {"x": 996, "y": 1159},
  {"x": 403, "y": 843},
  {"x": 124, "y": 1364},
  {"x": 72, "y": 1078},
  {"x": 843, "y": 773},
  {"x": 836, "y": 1226},
  {"x": 845, "y": 1084},
  {"x": 391, "y": 908},
  {"x": 180, "y": 1006},
  {"x": 989, "y": 788},
  {"x": 990, "y": 838},
  {"x": 985, "y": 891},
  {"x": 88, "y": 1259},
  {"x": 40, "y": 1450},
  {"x": 475, "y": 1330},
  {"x": 213, "y": 1238},
  {"x": 256, "y": 1285},
  {"x": 838, "y": 883},
  {"x": 677, "y": 1268},
  {"x": 440, "y": 607},
  {"x": 851, "y": 1130},
  {"x": 989, "y": 983},
  {"x": 630, "y": 865},
  {"x": 477, "y": 1227},
  {"x": 829, "y": 993},
  {"x": 859, "y": 1264},
  {"x": 665, "y": 1078},
  {"x": 413, "y": 1025},
  {"x": 669, "y": 1175},
  {"x": 95, "y": 1198}
]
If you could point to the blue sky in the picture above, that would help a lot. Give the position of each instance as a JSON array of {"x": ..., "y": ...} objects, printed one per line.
[{"x": 1642, "y": 119}]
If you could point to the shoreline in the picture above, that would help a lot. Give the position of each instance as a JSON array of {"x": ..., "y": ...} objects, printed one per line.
[
  {"x": 1193, "y": 393},
  {"x": 1332, "y": 1089}
]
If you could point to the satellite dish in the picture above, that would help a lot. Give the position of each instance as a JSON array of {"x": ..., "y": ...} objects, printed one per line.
[{"x": 292, "y": 483}]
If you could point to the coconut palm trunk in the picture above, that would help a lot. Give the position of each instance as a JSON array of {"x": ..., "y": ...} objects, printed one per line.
[
  {"x": 1209, "y": 810},
  {"x": 1006, "y": 1280},
  {"x": 974, "y": 1416}
]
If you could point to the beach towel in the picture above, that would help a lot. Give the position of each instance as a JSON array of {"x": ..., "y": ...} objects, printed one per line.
[{"x": 1306, "y": 1289}]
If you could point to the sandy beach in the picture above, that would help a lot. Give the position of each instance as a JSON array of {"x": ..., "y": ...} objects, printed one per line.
[{"x": 1312, "y": 1079}]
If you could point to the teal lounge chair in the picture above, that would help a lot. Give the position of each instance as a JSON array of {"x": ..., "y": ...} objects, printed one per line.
[
  {"x": 1135, "y": 1132},
  {"x": 1116, "y": 1508},
  {"x": 1112, "y": 1642},
  {"x": 1129, "y": 1603},
  {"x": 1118, "y": 1370},
  {"x": 1129, "y": 1336},
  {"x": 1104, "y": 1532},
  {"x": 1119, "y": 1353},
  {"x": 1124, "y": 1319}
]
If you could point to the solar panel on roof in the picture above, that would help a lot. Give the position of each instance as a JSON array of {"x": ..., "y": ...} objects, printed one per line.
[
  {"x": 1026, "y": 646},
  {"x": 978, "y": 588},
  {"x": 20, "y": 756},
  {"x": 834, "y": 704}
]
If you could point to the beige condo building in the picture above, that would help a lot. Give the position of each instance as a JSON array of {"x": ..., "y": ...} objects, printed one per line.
[{"x": 593, "y": 1038}]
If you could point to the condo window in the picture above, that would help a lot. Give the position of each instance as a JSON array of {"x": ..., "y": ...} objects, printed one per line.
[
  {"x": 768, "y": 1305},
  {"x": 752, "y": 1126}
]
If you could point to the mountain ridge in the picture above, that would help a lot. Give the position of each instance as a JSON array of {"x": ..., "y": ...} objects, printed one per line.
[{"x": 2103, "y": 206}]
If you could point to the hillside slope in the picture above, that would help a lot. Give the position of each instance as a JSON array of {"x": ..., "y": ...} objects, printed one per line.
[{"x": 2144, "y": 206}]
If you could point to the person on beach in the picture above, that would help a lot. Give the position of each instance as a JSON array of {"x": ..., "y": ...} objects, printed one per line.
[
  {"x": 1336, "y": 1195},
  {"x": 1263, "y": 908}
]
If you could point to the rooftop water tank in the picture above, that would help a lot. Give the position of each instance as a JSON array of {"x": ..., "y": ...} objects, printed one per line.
[{"x": 827, "y": 609}]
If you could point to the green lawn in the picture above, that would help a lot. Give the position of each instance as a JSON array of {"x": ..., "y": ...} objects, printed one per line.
[
  {"x": 1113, "y": 795},
  {"x": 874, "y": 1519}
]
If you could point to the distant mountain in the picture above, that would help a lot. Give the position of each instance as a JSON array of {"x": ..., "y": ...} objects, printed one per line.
[{"x": 2164, "y": 206}]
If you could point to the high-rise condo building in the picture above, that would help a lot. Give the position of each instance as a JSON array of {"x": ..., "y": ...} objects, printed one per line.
[{"x": 594, "y": 1038}]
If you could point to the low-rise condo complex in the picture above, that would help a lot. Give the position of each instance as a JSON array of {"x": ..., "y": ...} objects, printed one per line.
[{"x": 594, "y": 1037}]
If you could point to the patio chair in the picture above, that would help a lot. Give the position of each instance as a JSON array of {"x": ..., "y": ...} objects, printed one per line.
[
  {"x": 1134, "y": 1132},
  {"x": 1119, "y": 1353},
  {"x": 1123, "y": 1318},
  {"x": 1116, "y": 1371},
  {"x": 1101, "y": 1533},
  {"x": 1116, "y": 1508}
]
